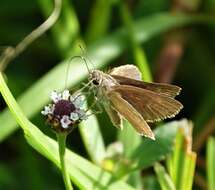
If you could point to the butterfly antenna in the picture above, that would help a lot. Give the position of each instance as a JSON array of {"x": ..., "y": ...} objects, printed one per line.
[
  {"x": 68, "y": 66},
  {"x": 85, "y": 62},
  {"x": 83, "y": 51}
]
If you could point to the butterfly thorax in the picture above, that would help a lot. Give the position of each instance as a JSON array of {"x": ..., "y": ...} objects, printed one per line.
[{"x": 102, "y": 80}]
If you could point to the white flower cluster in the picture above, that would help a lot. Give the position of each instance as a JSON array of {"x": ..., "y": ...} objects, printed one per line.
[{"x": 76, "y": 114}]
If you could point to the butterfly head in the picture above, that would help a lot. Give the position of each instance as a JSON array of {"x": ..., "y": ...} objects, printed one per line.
[{"x": 96, "y": 77}]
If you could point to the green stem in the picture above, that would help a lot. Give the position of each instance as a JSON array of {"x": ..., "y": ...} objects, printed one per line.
[
  {"x": 61, "y": 137},
  {"x": 11, "y": 53}
]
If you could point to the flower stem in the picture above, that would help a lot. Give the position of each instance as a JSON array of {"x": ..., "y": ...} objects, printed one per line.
[{"x": 61, "y": 137}]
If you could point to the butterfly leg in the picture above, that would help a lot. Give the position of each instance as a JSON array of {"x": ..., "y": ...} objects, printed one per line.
[{"x": 84, "y": 87}]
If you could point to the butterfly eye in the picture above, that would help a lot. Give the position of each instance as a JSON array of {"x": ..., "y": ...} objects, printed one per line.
[{"x": 95, "y": 82}]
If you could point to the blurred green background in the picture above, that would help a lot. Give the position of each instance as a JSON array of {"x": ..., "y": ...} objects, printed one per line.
[{"x": 182, "y": 53}]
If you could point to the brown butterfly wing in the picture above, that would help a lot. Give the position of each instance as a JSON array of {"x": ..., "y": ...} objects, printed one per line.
[
  {"x": 160, "y": 88},
  {"x": 115, "y": 117},
  {"x": 128, "y": 112},
  {"x": 152, "y": 106}
]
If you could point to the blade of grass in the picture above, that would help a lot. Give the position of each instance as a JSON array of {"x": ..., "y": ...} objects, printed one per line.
[
  {"x": 138, "y": 53},
  {"x": 93, "y": 139},
  {"x": 101, "y": 53},
  {"x": 99, "y": 20},
  {"x": 163, "y": 177},
  {"x": 181, "y": 164},
  {"x": 84, "y": 174},
  {"x": 189, "y": 170},
  {"x": 176, "y": 159},
  {"x": 210, "y": 163}
]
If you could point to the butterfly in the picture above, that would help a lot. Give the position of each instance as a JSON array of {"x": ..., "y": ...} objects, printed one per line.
[{"x": 125, "y": 96}]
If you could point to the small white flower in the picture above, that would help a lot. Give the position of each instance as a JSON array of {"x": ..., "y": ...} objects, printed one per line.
[
  {"x": 65, "y": 121},
  {"x": 55, "y": 96},
  {"x": 78, "y": 101},
  {"x": 74, "y": 116},
  {"x": 48, "y": 110},
  {"x": 65, "y": 95},
  {"x": 82, "y": 114},
  {"x": 71, "y": 98}
]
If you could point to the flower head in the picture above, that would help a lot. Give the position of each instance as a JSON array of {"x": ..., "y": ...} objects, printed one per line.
[{"x": 65, "y": 111}]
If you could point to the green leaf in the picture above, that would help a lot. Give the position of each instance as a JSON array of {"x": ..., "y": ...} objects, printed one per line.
[
  {"x": 163, "y": 177},
  {"x": 101, "y": 53},
  {"x": 135, "y": 180},
  {"x": 210, "y": 163},
  {"x": 149, "y": 151},
  {"x": 125, "y": 137},
  {"x": 84, "y": 174}
]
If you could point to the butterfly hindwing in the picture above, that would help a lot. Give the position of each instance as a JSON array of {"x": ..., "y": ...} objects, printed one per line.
[
  {"x": 153, "y": 107},
  {"x": 115, "y": 117},
  {"x": 130, "y": 71}
]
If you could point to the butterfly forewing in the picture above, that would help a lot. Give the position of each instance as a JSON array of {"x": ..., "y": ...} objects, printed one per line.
[
  {"x": 152, "y": 106},
  {"x": 128, "y": 112},
  {"x": 160, "y": 88}
]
